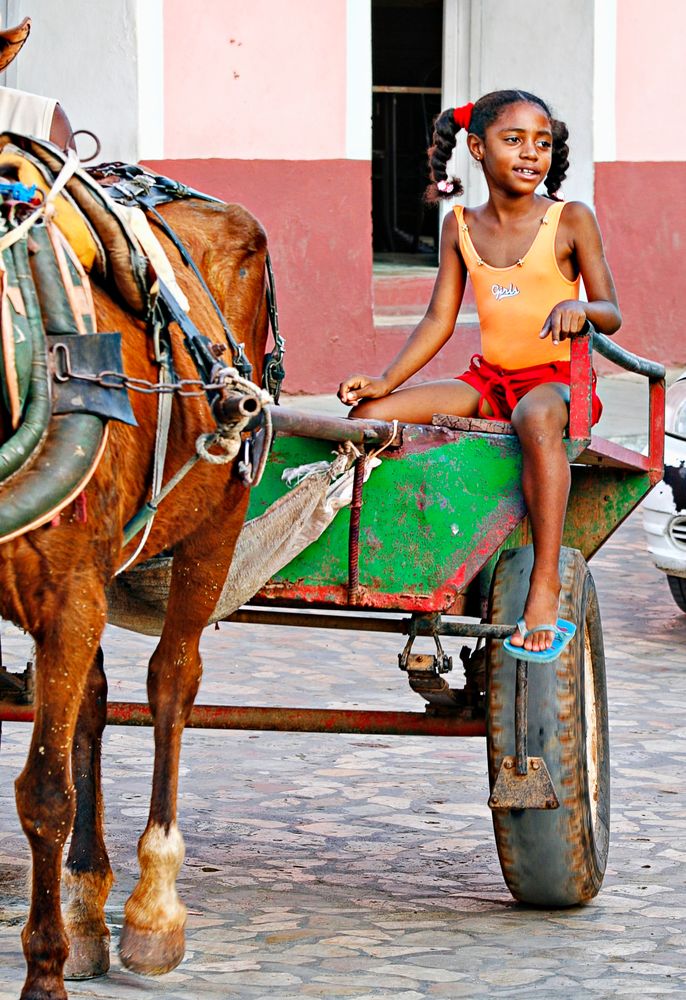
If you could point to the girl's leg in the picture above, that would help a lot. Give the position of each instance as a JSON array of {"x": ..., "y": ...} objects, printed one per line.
[
  {"x": 417, "y": 404},
  {"x": 540, "y": 419}
]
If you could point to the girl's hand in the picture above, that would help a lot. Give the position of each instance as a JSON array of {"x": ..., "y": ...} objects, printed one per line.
[
  {"x": 357, "y": 387},
  {"x": 565, "y": 320}
]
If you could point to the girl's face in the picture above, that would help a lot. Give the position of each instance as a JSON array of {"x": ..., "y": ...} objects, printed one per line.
[{"x": 517, "y": 149}]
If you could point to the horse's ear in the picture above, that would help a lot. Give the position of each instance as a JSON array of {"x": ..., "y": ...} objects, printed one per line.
[{"x": 11, "y": 42}]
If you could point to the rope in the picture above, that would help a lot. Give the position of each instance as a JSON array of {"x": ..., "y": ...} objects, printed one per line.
[
  {"x": 164, "y": 408},
  {"x": 227, "y": 437},
  {"x": 387, "y": 444}
]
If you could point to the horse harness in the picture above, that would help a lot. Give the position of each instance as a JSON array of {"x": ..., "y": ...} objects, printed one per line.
[
  {"x": 84, "y": 379},
  {"x": 130, "y": 184}
]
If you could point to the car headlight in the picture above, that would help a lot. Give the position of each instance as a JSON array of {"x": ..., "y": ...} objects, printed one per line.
[{"x": 675, "y": 409}]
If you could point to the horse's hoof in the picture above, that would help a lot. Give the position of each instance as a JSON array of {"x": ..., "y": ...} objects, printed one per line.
[
  {"x": 89, "y": 957},
  {"x": 151, "y": 953},
  {"x": 49, "y": 991}
]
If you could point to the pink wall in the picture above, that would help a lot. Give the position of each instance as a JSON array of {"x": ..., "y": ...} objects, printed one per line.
[
  {"x": 642, "y": 215},
  {"x": 264, "y": 79},
  {"x": 651, "y": 79},
  {"x": 317, "y": 214}
]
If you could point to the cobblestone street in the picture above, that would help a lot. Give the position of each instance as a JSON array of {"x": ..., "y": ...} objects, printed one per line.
[{"x": 365, "y": 867}]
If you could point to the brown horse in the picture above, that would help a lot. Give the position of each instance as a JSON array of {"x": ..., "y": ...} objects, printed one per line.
[{"x": 52, "y": 583}]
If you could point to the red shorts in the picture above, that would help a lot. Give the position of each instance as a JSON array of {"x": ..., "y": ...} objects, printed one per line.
[{"x": 502, "y": 388}]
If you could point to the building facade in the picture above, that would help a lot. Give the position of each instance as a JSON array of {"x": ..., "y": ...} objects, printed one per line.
[{"x": 314, "y": 115}]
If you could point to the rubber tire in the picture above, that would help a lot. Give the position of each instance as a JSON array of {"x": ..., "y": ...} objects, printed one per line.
[
  {"x": 553, "y": 857},
  {"x": 677, "y": 586}
]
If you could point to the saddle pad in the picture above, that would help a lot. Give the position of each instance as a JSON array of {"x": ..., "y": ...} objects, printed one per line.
[
  {"x": 16, "y": 346},
  {"x": 122, "y": 267},
  {"x": 67, "y": 217},
  {"x": 63, "y": 288}
]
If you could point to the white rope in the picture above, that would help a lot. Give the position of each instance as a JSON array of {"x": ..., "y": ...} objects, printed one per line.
[
  {"x": 229, "y": 443},
  {"x": 375, "y": 454},
  {"x": 227, "y": 437},
  {"x": 164, "y": 408},
  {"x": 47, "y": 206}
]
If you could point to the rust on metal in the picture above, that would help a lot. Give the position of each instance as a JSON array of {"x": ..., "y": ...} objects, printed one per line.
[
  {"x": 421, "y": 624},
  {"x": 293, "y": 720},
  {"x": 299, "y": 423},
  {"x": 432, "y": 687},
  {"x": 532, "y": 789},
  {"x": 354, "y": 534},
  {"x": 521, "y": 716}
]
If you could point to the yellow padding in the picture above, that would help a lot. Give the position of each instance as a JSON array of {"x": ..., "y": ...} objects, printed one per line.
[{"x": 67, "y": 218}]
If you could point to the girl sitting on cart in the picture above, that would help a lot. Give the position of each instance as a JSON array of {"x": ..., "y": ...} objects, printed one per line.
[{"x": 525, "y": 254}]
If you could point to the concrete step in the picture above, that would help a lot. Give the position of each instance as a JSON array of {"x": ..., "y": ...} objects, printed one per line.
[
  {"x": 400, "y": 299},
  {"x": 405, "y": 287},
  {"x": 392, "y": 330}
]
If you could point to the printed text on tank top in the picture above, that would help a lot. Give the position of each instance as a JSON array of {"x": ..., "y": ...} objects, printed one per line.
[{"x": 514, "y": 301}]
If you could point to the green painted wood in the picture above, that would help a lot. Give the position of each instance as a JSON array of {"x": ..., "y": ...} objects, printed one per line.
[
  {"x": 599, "y": 500},
  {"x": 426, "y": 512},
  {"x": 440, "y": 511}
]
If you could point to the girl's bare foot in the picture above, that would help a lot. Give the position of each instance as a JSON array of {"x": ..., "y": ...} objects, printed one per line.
[{"x": 541, "y": 608}]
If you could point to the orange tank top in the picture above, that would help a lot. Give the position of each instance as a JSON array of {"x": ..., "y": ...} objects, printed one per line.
[{"x": 514, "y": 302}]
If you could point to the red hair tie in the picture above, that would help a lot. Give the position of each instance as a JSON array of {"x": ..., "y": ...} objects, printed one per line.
[{"x": 463, "y": 116}]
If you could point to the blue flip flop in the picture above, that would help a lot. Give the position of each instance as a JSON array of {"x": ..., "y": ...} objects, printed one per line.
[{"x": 564, "y": 633}]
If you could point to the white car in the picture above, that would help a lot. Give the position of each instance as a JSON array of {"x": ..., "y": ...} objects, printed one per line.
[{"x": 664, "y": 509}]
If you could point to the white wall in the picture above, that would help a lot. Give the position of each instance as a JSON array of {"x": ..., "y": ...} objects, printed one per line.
[
  {"x": 605, "y": 81},
  {"x": 536, "y": 45},
  {"x": 358, "y": 111},
  {"x": 84, "y": 53}
]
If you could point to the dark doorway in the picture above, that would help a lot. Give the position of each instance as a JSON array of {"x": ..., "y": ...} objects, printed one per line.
[{"x": 407, "y": 42}]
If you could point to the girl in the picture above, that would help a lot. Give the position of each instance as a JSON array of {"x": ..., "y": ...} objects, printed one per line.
[{"x": 524, "y": 254}]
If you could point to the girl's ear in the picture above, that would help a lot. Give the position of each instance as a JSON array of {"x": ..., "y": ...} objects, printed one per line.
[{"x": 475, "y": 145}]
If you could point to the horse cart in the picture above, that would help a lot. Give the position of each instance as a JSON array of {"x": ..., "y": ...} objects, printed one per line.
[{"x": 435, "y": 546}]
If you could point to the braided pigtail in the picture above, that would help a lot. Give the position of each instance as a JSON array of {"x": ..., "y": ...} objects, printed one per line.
[
  {"x": 444, "y": 138},
  {"x": 476, "y": 118},
  {"x": 560, "y": 158}
]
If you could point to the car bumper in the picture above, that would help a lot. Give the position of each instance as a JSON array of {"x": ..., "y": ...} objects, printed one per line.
[{"x": 664, "y": 512}]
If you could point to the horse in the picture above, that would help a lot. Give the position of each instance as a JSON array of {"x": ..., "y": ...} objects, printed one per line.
[{"x": 53, "y": 584}]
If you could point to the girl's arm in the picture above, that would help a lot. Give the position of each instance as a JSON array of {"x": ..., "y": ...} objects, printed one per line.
[
  {"x": 586, "y": 248},
  {"x": 429, "y": 335}
]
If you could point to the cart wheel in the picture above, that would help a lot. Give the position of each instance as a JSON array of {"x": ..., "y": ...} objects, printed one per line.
[
  {"x": 553, "y": 857},
  {"x": 677, "y": 586}
]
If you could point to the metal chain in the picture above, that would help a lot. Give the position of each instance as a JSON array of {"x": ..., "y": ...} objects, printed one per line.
[{"x": 108, "y": 379}]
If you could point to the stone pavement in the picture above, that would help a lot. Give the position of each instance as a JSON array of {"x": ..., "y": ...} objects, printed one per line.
[{"x": 365, "y": 867}]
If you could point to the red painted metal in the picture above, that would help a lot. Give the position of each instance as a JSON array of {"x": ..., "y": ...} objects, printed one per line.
[
  {"x": 301, "y": 593},
  {"x": 501, "y": 527},
  {"x": 656, "y": 433},
  {"x": 292, "y": 720},
  {"x": 581, "y": 396},
  {"x": 603, "y": 452}
]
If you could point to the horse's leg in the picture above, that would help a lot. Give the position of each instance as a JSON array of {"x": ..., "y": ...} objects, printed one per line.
[
  {"x": 88, "y": 876},
  {"x": 44, "y": 790},
  {"x": 153, "y": 939}
]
